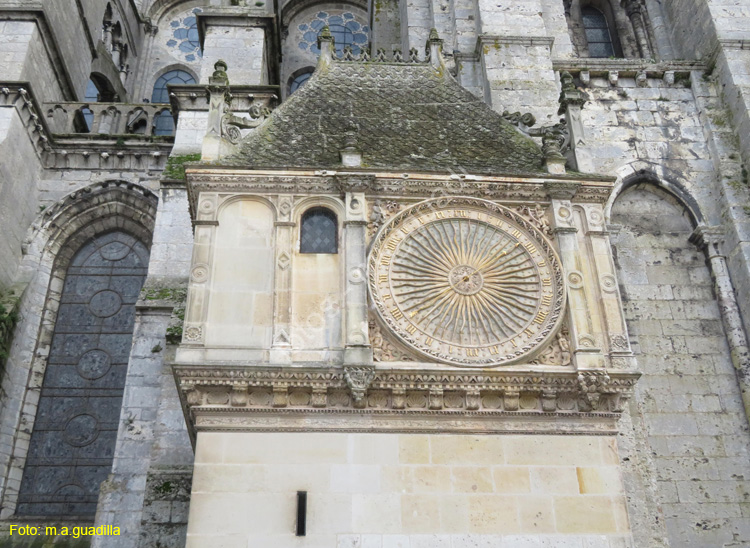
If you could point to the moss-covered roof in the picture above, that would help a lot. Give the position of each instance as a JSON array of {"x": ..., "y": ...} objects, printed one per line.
[{"x": 408, "y": 117}]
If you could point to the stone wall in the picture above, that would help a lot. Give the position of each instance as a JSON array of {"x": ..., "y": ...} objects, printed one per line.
[
  {"x": 688, "y": 414},
  {"x": 407, "y": 490}
]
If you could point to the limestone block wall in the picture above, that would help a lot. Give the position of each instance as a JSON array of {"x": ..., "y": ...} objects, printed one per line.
[
  {"x": 18, "y": 195},
  {"x": 244, "y": 50},
  {"x": 688, "y": 415},
  {"x": 407, "y": 490},
  {"x": 628, "y": 126}
]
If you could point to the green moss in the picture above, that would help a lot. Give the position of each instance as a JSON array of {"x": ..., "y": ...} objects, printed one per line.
[
  {"x": 165, "y": 488},
  {"x": 175, "y": 168},
  {"x": 174, "y": 294},
  {"x": 174, "y": 329}
]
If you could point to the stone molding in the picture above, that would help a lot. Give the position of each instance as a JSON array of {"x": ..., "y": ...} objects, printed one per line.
[
  {"x": 378, "y": 399},
  {"x": 629, "y": 68},
  {"x": 517, "y": 40},
  {"x": 591, "y": 189}
]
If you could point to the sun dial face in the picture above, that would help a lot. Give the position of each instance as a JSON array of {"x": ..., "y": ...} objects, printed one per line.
[{"x": 466, "y": 282}]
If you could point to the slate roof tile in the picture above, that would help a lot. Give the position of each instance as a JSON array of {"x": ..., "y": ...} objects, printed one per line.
[{"x": 408, "y": 117}]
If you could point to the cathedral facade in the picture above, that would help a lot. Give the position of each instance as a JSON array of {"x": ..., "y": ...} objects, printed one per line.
[{"x": 388, "y": 274}]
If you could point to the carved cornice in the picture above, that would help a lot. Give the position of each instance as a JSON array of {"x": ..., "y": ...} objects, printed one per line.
[
  {"x": 591, "y": 189},
  {"x": 276, "y": 398}
]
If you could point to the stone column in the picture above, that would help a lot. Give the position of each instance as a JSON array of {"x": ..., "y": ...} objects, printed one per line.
[
  {"x": 357, "y": 343},
  {"x": 633, "y": 11},
  {"x": 571, "y": 104},
  {"x": 710, "y": 239},
  {"x": 585, "y": 346},
  {"x": 282, "y": 305}
]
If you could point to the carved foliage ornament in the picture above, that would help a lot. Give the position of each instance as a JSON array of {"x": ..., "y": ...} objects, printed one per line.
[{"x": 466, "y": 282}]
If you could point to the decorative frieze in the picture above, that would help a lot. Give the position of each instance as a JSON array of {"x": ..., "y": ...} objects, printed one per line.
[{"x": 401, "y": 399}]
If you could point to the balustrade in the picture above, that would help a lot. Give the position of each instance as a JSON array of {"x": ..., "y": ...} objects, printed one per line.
[{"x": 110, "y": 118}]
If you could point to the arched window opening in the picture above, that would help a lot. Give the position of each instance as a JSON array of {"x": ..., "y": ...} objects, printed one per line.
[
  {"x": 161, "y": 93},
  {"x": 300, "y": 78},
  {"x": 319, "y": 231},
  {"x": 73, "y": 440},
  {"x": 164, "y": 123},
  {"x": 137, "y": 122},
  {"x": 598, "y": 36}
]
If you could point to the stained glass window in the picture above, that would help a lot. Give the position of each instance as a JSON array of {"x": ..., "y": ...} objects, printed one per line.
[
  {"x": 344, "y": 27},
  {"x": 319, "y": 231},
  {"x": 160, "y": 93},
  {"x": 597, "y": 33},
  {"x": 183, "y": 38},
  {"x": 74, "y": 435},
  {"x": 300, "y": 80}
]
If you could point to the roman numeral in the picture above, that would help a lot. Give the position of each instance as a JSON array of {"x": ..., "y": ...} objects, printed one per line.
[
  {"x": 397, "y": 313},
  {"x": 411, "y": 329},
  {"x": 546, "y": 281},
  {"x": 540, "y": 317}
]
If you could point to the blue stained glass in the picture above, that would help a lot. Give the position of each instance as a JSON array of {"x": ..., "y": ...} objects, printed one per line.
[
  {"x": 335, "y": 20},
  {"x": 190, "y": 57},
  {"x": 189, "y": 21},
  {"x": 175, "y": 24},
  {"x": 360, "y": 38},
  {"x": 172, "y": 43},
  {"x": 348, "y": 15},
  {"x": 303, "y": 46},
  {"x": 322, "y": 15},
  {"x": 160, "y": 93},
  {"x": 187, "y": 47},
  {"x": 303, "y": 27},
  {"x": 193, "y": 35},
  {"x": 317, "y": 25},
  {"x": 365, "y": 28},
  {"x": 315, "y": 49},
  {"x": 310, "y": 36},
  {"x": 353, "y": 25},
  {"x": 181, "y": 33}
]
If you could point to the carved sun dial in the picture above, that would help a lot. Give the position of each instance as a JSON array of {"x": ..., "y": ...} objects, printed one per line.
[{"x": 466, "y": 282}]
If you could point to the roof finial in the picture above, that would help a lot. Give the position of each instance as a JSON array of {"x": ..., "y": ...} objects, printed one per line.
[
  {"x": 325, "y": 44},
  {"x": 219, "y": 77},
  {"x": 434, "y": 50}
]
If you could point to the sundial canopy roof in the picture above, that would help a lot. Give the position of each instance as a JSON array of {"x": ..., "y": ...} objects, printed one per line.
[{"x": 408, "y": 117}]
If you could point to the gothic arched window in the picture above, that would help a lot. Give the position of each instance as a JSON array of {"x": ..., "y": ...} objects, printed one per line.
[
  {"x": 319, "y": 231},
  {"x": 160, "y": 93},
  {"x": 597, "y": 31},
  {"x": 73, "y": 440},
  {"x": 300, "y": 78}
]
